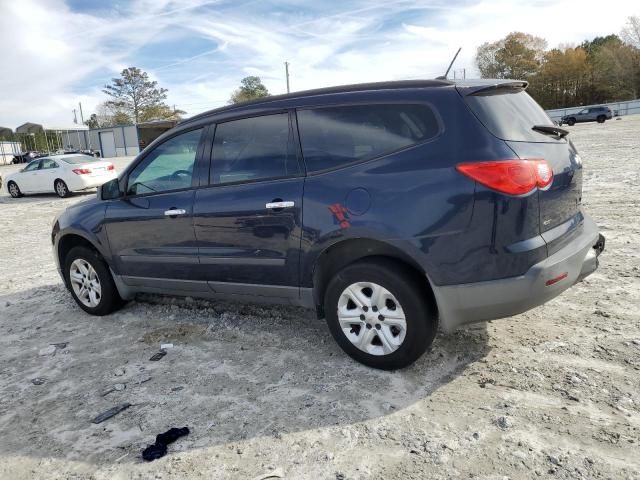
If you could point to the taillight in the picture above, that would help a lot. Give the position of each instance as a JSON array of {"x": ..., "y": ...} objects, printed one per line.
[
  {"x": 110, "y": 167},
  {"x": 513, "y": 177},
  {"x": 81, "y": 171}
]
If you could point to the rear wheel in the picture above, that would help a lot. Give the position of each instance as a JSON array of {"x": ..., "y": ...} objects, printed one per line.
[
  {"x": 379, "y": 315},
  {"x": 14, "y": 190},
  {"x": 571, "y": 122},
  {"x": 61, "y": 188},
  {"x": 601, "y": 119},
  {"x": 90, "y": 282}
]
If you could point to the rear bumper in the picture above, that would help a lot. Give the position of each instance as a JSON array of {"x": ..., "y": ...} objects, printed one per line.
[
  {"x": 475, "y": 302},
  {"x": 83, "y": 182}
]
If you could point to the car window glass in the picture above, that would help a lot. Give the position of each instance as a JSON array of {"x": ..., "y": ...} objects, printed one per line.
[
  {"x": 335, "y": 136},
  {"x": 48, "y": 163},
  {"x": 252, "y": 149},
  {"x": 169, "y": 166},
  {"x": 32, "y": 166},
  {"x": 79, "y": 159}
]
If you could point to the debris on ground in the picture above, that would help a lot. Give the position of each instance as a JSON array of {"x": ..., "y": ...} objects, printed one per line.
[
  {"x": 117, "y": 387},
  {"x": 158, "y": 355},
  {"x": 277, "y": 473},
  {"x": 38, "y": 380},
  {"x": 49, "y": 350},
  {"x": 159, "y": 449},
  {"x": 110, "y": 413}
]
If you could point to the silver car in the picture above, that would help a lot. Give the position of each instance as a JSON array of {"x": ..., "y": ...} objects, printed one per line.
[{"x": 590, "y": 114}]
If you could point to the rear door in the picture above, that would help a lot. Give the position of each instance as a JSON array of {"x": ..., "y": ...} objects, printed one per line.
[
  {"x": 248, "y": 219},
  {"x": 47, "y": 175},
  {"x": 510, "y": 114},
  {"x": 150, "y": 229}
]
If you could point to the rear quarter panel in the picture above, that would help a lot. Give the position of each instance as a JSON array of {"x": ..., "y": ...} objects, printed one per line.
[{"x": 413, "y": 199}]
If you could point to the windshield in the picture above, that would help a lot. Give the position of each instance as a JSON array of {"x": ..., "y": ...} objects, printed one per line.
[
  {"x": 510, "y": 115},
  {"x": 78, "y": 159}
]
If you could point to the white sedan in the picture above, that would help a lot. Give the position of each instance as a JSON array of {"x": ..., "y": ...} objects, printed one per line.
[{"x": 61, "y": 174}]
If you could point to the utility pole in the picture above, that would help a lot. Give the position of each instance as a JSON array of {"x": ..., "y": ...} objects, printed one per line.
[
  {"x": 286, "y": 69},
  {"x": 75, "y": 117},
  {"x": 81, "y": 116}
]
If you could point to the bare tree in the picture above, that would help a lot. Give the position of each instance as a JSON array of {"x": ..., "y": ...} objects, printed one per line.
[{"x": 630, "y": 34}]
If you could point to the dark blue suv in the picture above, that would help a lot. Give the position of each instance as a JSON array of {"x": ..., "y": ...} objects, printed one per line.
[{"x": 391, "y": 209}]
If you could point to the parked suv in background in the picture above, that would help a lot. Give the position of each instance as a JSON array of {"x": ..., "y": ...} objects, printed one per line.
[
  {"x": 389, "y": 208},
  {"x": 591, "y": 114}
]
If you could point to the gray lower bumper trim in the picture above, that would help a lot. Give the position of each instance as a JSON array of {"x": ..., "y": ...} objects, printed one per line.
[{"x": 475, "y": 302}]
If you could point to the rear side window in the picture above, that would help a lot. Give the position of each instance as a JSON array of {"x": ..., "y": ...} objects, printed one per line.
[
  {"x": 78, "y": 159},
  {"x": 251, "y": 149},
  {"x": 510, "y": 115},
  {"x": 335, "y": 136}
]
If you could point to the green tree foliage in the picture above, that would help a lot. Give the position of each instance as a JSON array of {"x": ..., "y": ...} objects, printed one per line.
[
  {"x": 250, "y": 89},
  {"x": 161, "y": 112},
  {"x": 518, "y": 55},
  {"x": 134, "y": 95},
  {"x": 605, "y": 69}
]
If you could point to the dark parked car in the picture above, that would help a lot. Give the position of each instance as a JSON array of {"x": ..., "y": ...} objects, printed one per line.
[
  {"x": 25, "y": 157},
  {"x": 391, "y": 209},
  {"x": 591, "y": 114}
]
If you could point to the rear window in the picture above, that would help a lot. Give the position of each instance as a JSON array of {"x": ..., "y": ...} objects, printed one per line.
[
  {"x": 510, "y": 115},
  {"x": 335, "y": 136},
  {"x": 78, "y": 159}
]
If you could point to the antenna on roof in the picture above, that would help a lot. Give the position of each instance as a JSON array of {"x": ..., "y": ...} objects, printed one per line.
[{"x": 444, "y": 77}]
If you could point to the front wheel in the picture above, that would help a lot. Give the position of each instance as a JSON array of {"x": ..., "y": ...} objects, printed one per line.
[
  {"x": 379, "y": 315},
  {"x": 14, "y": 190},
  {"x": 571, "y": 122},
  {"x": 61, "y": 188},
  {"x": 90, "y": 282}
]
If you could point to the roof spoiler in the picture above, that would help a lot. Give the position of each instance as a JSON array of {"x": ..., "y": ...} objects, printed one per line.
[{"x": 510, "y": 86}]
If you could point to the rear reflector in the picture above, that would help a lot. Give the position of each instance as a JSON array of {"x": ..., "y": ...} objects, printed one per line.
[
  {"x": 110, "y": 167},
  {"x": 513, "y": 177},
  {"x": 81, "y": 171},
  {"x": 556, "y": 279}
]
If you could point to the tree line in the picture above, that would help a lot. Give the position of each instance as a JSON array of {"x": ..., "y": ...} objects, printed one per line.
[
  {"x": 601, "y": 70},
  {"x": 133, "y": 98}
]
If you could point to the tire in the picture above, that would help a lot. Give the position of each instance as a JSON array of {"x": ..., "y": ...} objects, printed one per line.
[
  {"x": 601, "y": 119},
  {"x": 400, "y": 291},
  {"x": 14, "y": 190},
  {"x": 571, "y": 122},
  {"x": 61, "y": 188},
  {"x": 109, "y": 299}
]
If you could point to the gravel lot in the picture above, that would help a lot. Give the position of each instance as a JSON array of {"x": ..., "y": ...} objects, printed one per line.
[{"x": 553, "y": 393}]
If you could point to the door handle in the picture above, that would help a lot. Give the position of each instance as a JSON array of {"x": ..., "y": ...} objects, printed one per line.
[
  {"x": 174, "y": 211},
  {"x": 279, "y": 205}
]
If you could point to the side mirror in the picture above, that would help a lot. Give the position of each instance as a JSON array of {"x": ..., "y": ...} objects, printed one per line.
[{"x": 110, "y": 190}]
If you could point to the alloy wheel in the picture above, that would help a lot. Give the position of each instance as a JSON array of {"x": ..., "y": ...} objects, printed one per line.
[
  {"x": 85, "y": 283},
  {"x": 61, "y": 189},
  {"x": 13, "y": 190}
]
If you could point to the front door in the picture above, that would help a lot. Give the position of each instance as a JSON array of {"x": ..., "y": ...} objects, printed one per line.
[
  {"x": 27, "y": 180},
  {"x": 248, "y": 220},
  {"x": 150, "y": 229}
]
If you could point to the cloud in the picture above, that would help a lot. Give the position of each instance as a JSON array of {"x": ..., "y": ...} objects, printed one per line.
[{"x": 56, "y": 54}]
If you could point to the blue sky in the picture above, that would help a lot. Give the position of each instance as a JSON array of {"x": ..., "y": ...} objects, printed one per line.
[{"x": 57, "y": 53}]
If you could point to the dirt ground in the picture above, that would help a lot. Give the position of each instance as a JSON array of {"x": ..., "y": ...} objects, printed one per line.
[{"x": 553, "y": 393}]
